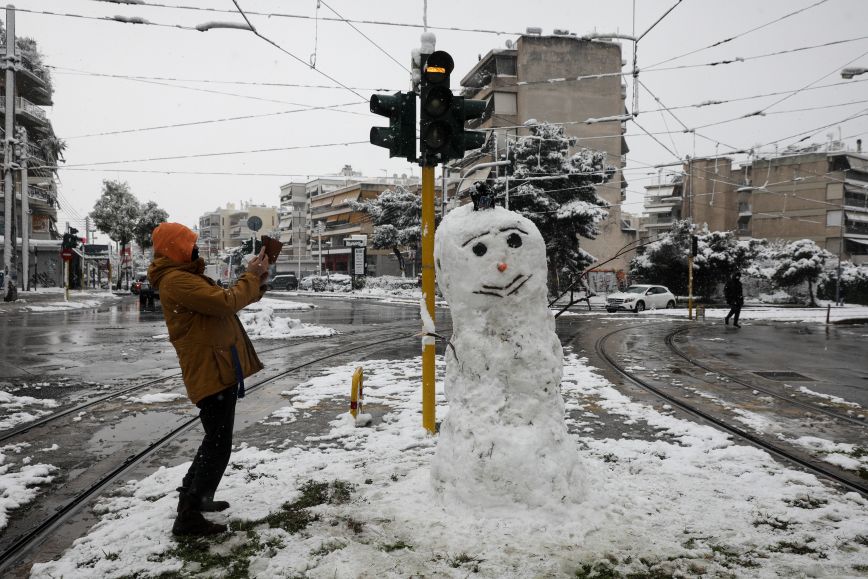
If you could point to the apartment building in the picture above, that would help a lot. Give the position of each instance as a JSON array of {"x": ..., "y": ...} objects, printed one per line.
[
  {"x": 814, "y": 194},
  {"x": 34, "y": 215},
  {"x": 226, "y": 227},
  {"x": 662, "y": 204},
  {"x": 517, "y": 80}
]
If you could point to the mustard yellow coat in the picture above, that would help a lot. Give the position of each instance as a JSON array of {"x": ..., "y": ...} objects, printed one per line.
[{"x": 203, "y": 327}]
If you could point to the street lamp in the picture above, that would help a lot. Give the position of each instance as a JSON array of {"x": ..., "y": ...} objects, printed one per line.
[{"x": 852, "y": 71}]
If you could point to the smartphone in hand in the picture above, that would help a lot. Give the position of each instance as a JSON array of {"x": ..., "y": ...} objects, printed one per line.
[{"x": 272, "y": 248}]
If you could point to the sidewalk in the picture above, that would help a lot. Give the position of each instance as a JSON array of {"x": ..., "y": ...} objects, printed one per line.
[{"x": 52, "y": 300}]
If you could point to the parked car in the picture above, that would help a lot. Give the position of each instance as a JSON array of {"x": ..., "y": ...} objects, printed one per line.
[
  {"x": 641, "y": 297},
  {"x": 284, "y": 281}
]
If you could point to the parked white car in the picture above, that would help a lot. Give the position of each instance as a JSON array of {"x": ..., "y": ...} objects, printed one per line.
[{"x": 641, "y": 297}]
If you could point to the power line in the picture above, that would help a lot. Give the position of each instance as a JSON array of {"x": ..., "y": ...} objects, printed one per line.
[
  {"x": 741, "y": 34},
  {"x": 191, "y": 88},
  {"x": 210, "y": 121},
  {"x": 214, "y": 81},
  {"x": 325, "y": 18},
  {"x": 285, "y": 51},
  {"x": 366, "y": 37},
  {"x": 117, "y": 19},
  {"x": 200, "y": 155},
  {"x": 665, "y": 14}
]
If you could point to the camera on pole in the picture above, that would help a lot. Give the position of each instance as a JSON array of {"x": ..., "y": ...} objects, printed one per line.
[{"x": 400, "y": 136}]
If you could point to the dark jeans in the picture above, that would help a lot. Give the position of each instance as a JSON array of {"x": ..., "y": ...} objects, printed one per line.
[
  {"x": 734, "y": 312},
  {"x": 217, "y": 413}
]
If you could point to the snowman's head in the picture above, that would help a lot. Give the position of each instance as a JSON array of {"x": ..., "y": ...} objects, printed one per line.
[{"x": 488, "y": 259}]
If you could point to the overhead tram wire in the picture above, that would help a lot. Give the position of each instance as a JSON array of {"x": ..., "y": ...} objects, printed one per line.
[
  {"x": 741, "y": 34},
  {"x": 288, "y": 53},
  {"x": 366, "y": 37},
  {"x": 665, "y": 14}
]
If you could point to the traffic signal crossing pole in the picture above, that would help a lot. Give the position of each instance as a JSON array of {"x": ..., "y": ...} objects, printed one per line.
[{"x": 442, "y": 137}]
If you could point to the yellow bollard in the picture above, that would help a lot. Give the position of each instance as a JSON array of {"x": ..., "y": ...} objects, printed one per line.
[{"x": 356, "y": 394}]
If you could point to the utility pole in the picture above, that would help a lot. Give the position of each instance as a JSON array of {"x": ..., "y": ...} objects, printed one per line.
[
  {"x": 9, "y": 63},
  {"x": 25, "y": 210}
]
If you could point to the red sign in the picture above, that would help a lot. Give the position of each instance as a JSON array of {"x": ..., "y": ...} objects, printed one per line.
[{"x": 66, "y": 254}]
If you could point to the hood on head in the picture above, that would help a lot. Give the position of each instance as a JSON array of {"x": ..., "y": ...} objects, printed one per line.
[{"x": 174, "y": 241}]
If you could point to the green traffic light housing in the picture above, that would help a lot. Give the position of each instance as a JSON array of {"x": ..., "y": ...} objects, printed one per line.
[
  {"x": 400, "y": 136},
  {"x": 466, "y": 110}
]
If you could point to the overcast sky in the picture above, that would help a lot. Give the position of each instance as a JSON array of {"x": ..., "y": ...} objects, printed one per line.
[{"x": 85, "y": 103}]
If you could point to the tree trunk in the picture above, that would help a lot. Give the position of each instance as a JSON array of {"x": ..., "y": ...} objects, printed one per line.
[
  {"x": 400, "y": 260},
  {"x": 811, "y": 294},
  {"x": 121, "y": 267}
]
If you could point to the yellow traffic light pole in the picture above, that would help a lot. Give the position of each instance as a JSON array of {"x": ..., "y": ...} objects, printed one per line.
[{"x": 428, "y": 409}]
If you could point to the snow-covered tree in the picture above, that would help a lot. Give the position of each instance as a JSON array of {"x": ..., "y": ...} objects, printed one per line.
[
  {"x": 397, "y": 217},
  {"x": 799, "y": 262},
  {"x": 557, "y": 190},
  {"x": 150, "y": 215},
  {"x": 116, "y": 214},
  {"x": 664, "y": 261},
  {"x": 719, "y": 254},
  {"x": 854, "y": 283}
]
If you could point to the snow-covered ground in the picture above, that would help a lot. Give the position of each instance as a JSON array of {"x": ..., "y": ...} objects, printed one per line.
[
  {"x": 358, "y": 502},
  {"x": 15, "y": 410},
  {"x": 20, "y": 478}
]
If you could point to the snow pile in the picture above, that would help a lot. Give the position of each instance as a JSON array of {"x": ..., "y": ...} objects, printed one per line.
[
  {"x": 156, "y": 398},
  {"x": 685, "y": 502},
  {"x": 831, "y": 398},
  {"x": 18, "y": 487},
  {"x": 278, "y": 305},
  {"x": 263, "y": 324},
  {"x": 505, "y": 440},
  {"x": 841, "y": 454},
  {"x": 20, "y": 409},
  {"x": 779, "y": 297}
]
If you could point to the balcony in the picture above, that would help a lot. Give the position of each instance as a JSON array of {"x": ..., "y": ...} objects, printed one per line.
[
  {"x": 40, "y": 195},
  {"x": 26, "y": 109},
  {"x": 744, "y": 209},
  {"x": 855, "y": 201}
]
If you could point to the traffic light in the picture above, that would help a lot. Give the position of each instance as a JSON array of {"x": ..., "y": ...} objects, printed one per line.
[
  {"x": 443, "y": 115},
  {"x": 70, "y": 239},
  {"x": 400, "y": 136}
]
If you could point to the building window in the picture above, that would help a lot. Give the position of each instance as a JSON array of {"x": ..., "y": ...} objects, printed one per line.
[
  {"x": 833, "y": 218},
  {"x": 505, "y": 103},
  {"x": 505, "y": 65}
]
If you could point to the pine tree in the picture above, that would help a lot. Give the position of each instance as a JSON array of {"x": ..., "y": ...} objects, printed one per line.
[
  {"x": 397, "y": 217},
  {"x": 799, "y": 262},
  {"x": 557, "y": 190}
]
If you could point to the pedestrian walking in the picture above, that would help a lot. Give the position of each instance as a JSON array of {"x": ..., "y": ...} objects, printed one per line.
[
  {"x": 734, "y": 294},
  {"x": 215, "y": 356}
]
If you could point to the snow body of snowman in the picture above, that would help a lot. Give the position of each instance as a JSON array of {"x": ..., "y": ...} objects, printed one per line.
[{"x": 504, "y": 440}]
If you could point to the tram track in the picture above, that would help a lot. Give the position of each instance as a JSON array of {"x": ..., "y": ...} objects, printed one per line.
[
  {"x": 26, "y": 541},
  {"x": 54, "y": 416},
  {"x": 669, "y": 340},
  {"x": 800, "y": 459}
]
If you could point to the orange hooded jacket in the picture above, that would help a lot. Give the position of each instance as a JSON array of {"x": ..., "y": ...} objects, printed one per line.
[{"x": 200, "y": 315}]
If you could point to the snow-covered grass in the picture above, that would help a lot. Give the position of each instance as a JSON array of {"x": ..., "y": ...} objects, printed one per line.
[
  {"x": 261, "y": 323},
  {"x": 809, "y": 315},
  {"x": 847, "y": 456},
  {"x": 353, "y": 502}
]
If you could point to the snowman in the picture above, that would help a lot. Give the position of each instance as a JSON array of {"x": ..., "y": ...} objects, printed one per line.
[{"x": 504, "y": 440}]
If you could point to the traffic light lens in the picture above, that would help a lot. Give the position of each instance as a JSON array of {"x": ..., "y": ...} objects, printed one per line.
[
  {"x": 437, "y": 136},
  {"x": 437, "y": 101}
]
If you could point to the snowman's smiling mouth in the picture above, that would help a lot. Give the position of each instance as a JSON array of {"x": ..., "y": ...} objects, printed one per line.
[{"x": 497, "y": 291}]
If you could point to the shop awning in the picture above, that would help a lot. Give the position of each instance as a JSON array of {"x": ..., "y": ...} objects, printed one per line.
[{"x": 478, "y": 175}]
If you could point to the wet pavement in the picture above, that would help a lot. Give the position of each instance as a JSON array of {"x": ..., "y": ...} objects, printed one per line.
[{"x": 83, "y": 354}]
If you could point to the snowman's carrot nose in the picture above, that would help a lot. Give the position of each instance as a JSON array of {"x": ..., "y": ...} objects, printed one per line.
[{"x": 501, "y": 266}]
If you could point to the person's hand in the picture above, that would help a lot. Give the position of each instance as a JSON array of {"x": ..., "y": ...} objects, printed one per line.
[{"x": 258, "y": 266}]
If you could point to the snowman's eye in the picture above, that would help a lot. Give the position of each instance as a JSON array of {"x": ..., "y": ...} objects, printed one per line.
[
  {"x": 479, "y": 249},
  {"x": 514, "y": 240}
]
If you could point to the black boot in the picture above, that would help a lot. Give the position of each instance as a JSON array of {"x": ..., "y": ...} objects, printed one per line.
[
  {"x": 212, "y": 506},
  {"x": 190, "y": 521}
]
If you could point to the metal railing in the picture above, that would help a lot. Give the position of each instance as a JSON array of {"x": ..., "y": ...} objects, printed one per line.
[
  {"x": 40, "y": 194},
  {"x": 856, "y": 201},
  {"x": 31, "y": 67},
  {"x": 24, "y": 105}
]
